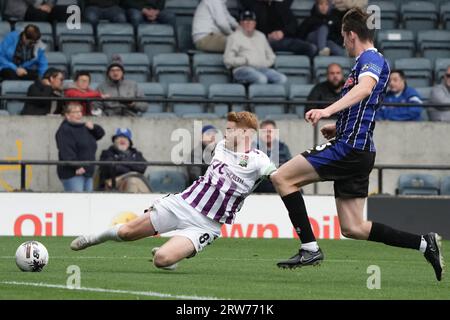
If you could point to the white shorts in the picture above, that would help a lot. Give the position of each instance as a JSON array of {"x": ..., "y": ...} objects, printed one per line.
[{"x": 172, "y": 213}]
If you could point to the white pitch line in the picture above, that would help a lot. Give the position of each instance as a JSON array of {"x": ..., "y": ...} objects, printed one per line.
[
  {"x": 137, "y": 293},
  {"x": 212, "y": 259}
]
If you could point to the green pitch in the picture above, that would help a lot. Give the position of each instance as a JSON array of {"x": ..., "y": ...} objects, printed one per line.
[{"x": 228, "y": 269}]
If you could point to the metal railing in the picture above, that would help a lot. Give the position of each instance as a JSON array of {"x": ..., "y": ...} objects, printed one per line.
[{"x": 23, "y": 163}]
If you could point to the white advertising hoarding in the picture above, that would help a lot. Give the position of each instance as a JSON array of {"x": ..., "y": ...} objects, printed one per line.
[{"x": 71, "y": 214}]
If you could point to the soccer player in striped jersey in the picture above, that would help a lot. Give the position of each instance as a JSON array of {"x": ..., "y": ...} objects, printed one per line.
[
  {"x": 197, "y": 214},
  {"x": 348, "y": 157}
]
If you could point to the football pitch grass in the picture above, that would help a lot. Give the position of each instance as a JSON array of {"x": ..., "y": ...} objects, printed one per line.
[{"x": 228, "y": 269}]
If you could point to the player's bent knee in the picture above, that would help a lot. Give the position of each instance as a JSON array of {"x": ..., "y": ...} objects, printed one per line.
[
  {"x": 125, "y": 233},
  {"x": 163, "y": 259},
  {"x": 352, "y": 232}
]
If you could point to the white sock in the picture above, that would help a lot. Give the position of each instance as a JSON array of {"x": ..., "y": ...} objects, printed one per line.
[
  {"x": 423, "y": 245},
  {"x": 110, "y": 234},
  {"x": 310, "y": 246}
]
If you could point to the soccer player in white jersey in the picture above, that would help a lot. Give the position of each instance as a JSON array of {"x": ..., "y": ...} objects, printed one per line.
[{"x": 197, "y": 214}]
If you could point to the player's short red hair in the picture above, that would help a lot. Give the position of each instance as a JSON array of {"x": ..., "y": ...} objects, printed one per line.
[{"x": 243, "y": 119}]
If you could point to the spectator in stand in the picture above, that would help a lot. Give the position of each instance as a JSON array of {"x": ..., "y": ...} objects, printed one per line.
[
  {"x": 37, "y": 10},
  {"x": 249, "y": 54},
  {"x": 399, "y": 92},
  {"x": 77, "y": 141},
  {"x": 329, "y": 90},
  {"x": 345, "y": 5},
  {"x": 129, "y": 177},
  {"x": 22, "y": 55},
  {"x": 110, "y": 10},
  {"x": 441, "y": 94},
  {"x": 276, "y": 150},
  {"x": 202, "y": 153},
  {"x": 116, "y": 86},
  {"x": 51, "y": 85},
  {"x": 276, "y": 20},
  {"x": 80, "y": 89},
  {"x": 211, "y": 25},
  {"x": 149, "y": 11},
  {"x": 323, "y": 28}
]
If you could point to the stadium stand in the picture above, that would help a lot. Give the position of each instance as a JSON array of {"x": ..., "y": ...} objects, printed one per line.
[
  {"x": 137, "y": 66},
  {"x": 167, "y": 181},
  {"x": 445, "y": 186},
  {"x": 209, "y": 69},
  {"x": 72, "y": 41},
  {"x": 115, "y": 38},
  {"x": 302, "y": 9},
  {"x": 419, "y": 15},
  {"x": 223, "y": 92},
  {"x": 299, "y": 92},
  {"x": 440, "y": 67},
  {"x": 418, "y": 71},
  {"x": 261, "y": 92},
  {"x": 418, "y": 184},
  {"x": 155, "y": 91},
  {"x": 321, "y": 65},
  {"x": 389, "y": 14},
  {"x": 296, "y": 68},
  {"x": 445, "y": 15},
  {"x": 433, "y": 44},
  {"x": 94, "y": 62},
  {"x": 425, "y": 93},
  {"x": 171, "y": 68},
  {"x": 58, "y": 60},
  {"x": 4, "y": 29},
  {"x": 156, "y": 38},
  {"x": 396, "y": 44},
  {"x": 187, "y": 91},
  {"x": 12, "y": 87}
]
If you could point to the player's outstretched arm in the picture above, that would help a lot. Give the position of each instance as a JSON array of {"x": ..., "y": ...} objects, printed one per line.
[{"x": 359, "y": 92}]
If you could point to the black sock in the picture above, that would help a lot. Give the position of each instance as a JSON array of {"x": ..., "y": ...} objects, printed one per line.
[
  {"x": 297, "y": 213},
  {"x": 392, "y": 237}
]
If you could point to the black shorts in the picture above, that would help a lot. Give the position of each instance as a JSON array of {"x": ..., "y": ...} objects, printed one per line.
[{"x": 349, "y": 168}]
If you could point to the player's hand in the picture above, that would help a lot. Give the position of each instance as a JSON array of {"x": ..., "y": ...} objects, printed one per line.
[
  {"x": 328, "y": 131},
  {"x": 313, "y": 116}
]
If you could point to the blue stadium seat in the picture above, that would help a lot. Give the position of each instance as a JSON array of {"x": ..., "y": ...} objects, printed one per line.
[
  {"x": 389, "y": 14},
  {"x": 419, "y": 15},
  {"x": 58, "y": 60},
  {"x": 396, "y": 43},
  {"x": 137, "y": 66},
  {"x": 12, "y": 87},
  {"x": 445, "y": 15},
  {"x": 440, "y": 67},
  {"x": 72, "y": 41},
  {"x": 264, "y": 92},
  {"x": 445, "y": 186},
  {"x": 208, "y": 68},
  {"x": 183, "y": 9},
  {"x": 302, "y": 9},
  {"x": 5, "y": 28},
  {"x": 171, "y": 68},
  {"x": 167, "y": 181},
  {"x": 418, "y": 184},
  {"x": 224, "y": 92},
  {"x": 296, "y": 68},
  {"x": 187, "y": 91},
  {"x": 94, "y": 62},
  {"x": 45, "y": 29},
  {"x": 434, "y": 44},
  {"x": 115, "y": 38},
  {"x": 321, "y": 65},
  {"x": 234, "y": 7},
  {"x": 418, "y": 71},
  {"x": 156, "y": 91},
  {"x": 156, "y": 38},
  {"x": 299, "y": 92}
]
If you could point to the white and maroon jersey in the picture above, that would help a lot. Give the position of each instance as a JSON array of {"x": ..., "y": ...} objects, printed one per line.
[{"x": 230, "y": 178}]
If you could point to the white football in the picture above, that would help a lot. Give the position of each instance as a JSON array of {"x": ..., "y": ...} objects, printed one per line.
[{"x": 31, "y": 256}]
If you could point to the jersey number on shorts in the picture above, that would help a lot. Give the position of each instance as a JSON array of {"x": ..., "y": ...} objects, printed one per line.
[
  {"x": 203, "y": 238},
  {"x": 319, "y": 148}
]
